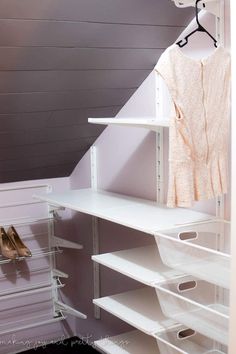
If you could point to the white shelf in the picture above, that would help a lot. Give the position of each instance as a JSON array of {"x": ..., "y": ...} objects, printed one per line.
[
  {"x": 142, "y": 264},
  {"x": 151, "y": 123},
  {"x": 134, "y": 342},
  {"x": 139, "y": 214},
  {"x": 139, "y": 308}
]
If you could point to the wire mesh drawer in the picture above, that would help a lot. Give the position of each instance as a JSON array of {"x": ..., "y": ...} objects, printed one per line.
[
  {"x": 202, "y": 250},
  {"x": 182, "y": 340},
  {"x": 196, "y": 304}
]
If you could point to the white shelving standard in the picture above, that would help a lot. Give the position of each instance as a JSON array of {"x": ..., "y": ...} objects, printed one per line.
[
  {"x": 139, "y": 214},
  {"x": 139, "y": 308},
  {"x": 134, "y": 342},
  {"x": 151, "y": 123}
]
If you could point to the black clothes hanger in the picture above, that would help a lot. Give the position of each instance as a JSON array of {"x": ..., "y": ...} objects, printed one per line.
[{"x": 200, "y": 28}]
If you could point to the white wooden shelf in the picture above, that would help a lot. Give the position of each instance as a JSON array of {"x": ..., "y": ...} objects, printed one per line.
[
  {"x": 151, "y": 123},
  {"x": 139, "y": 214},
  {"x": 142, "y": 264},
  {"x": 134, "y": 342},
  {"x": 139, "y": 308}
]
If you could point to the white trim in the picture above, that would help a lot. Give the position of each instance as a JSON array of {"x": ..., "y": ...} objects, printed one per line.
[{"x": 232, "y": 337}]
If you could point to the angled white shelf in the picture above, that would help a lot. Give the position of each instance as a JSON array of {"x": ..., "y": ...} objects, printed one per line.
[
  {"x": 142, "y": 264},
  {"x": 139, "y": 308},
  {"x": 134, "y": 342},
  {"x": 139, "y": 214},
  {"x": 151, "y": 123},
  {"x": 147, "y": 123}
]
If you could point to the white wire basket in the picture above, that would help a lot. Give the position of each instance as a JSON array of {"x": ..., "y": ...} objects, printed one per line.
[
  {"x": 197, "y": 304},
  {"x": 201, "y": 250},
  {"x": 183, "y": 340}
]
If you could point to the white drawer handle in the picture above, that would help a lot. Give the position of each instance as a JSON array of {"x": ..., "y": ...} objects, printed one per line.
[
  {"x": 185, "y": 333},
  {"x": 188, "y": 285},
  {"x": 188, "y": 235}
]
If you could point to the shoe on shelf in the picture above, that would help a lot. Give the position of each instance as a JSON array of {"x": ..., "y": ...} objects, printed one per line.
[
  {"x": 8, "y": 249},
  {"x": 19, "y": 245}
]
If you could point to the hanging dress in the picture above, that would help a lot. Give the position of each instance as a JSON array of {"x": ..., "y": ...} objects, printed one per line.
[{"x": 199, "y": 124}]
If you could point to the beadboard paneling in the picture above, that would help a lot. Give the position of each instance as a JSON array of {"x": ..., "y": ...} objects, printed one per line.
[
  {"x": 42, "y": 101},
  {"x": 61, "y": 170},
  {"x": 44, "y": 81},
  {"x": 62, "y": 61},
  {"x": 154, "y": 12},
  {"x": 53, "y": 147},
  {"x": 49, "y": 119},
  {"x": 46, "y": 58},
  {"x": 25, "y": 137},
  {"x": 41, "y": 161},
  {"x": 81, "y": 34}
]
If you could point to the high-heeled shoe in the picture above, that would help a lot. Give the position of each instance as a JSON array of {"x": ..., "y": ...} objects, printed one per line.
[
  {"x": 8, "y": 249},
  {"x": 21, "y": 248}
]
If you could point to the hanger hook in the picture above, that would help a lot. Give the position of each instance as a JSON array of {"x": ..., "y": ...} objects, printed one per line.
[
  {"x": 182, "y": 42},
  {"x": 196, "y": 10}
]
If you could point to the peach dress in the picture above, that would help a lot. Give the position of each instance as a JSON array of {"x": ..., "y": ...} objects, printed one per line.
[{"x": 199, "y": 125}]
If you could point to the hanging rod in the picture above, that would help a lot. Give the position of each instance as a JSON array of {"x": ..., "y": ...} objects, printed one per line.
[
  {"x": 24, "y": 221},
  {"x": 18, "y": 290},
  {"x": 35, "y": 323},
  {"x": 34, "y": 256},
  {"x": 31, "y": 291},
  {"x": 56, "y": 273}
]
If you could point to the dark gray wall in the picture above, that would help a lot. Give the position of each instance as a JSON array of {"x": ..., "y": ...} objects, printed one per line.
[{"x": 64, "y": 60}]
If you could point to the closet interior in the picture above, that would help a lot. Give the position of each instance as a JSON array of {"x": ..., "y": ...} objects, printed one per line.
[{"x": 182, "y": 269}]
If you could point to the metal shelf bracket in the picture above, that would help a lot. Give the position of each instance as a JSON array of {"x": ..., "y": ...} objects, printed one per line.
[
  {"x": 61, "y": 242},
  {"x": 60, "y": 307}
]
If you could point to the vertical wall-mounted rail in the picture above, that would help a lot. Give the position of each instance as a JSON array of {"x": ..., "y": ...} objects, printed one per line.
[
  {"x": 52, "y": 258},
  {"x": 220, "y": 202},
  {"x": 160, "y": 103},
  {"x": 220, "y": 35},
  {"x": 95, "y": 234},
  {"x": 220, "y": 23},
  {"x": 159, "y": 166}
]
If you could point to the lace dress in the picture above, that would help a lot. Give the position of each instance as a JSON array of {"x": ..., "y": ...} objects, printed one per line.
[{"x": 199, "y": 126}]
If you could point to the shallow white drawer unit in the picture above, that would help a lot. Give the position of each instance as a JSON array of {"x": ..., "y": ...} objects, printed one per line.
[
  {"x": 199, "y": 249},
  {"x": 182, "y": 340},
  {"x": 196, "y": 304}
]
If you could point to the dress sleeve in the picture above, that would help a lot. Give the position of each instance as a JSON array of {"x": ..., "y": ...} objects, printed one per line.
[{"x": 164, "y": 69}]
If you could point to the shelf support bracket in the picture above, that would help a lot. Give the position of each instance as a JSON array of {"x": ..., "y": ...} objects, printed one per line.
[
  {"x": 60, "y": 307},
  {"x": 61, "y": 242},
  {"x": 59, "y": 274}
]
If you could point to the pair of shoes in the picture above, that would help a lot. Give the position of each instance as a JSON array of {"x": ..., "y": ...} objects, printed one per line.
[{"x": 11, "y": 244}]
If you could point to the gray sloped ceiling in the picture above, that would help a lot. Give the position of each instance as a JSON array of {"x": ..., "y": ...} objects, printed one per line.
[{"x": 64, "y": 60}]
